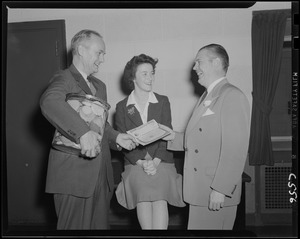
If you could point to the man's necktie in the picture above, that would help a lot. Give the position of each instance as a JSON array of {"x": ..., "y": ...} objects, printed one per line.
[
  {"x": 93, "y": 90},
  {"x": 202, "y": 98}
]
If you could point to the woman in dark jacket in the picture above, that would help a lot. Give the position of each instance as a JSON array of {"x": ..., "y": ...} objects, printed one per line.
[{"x": 150, "y": 180}]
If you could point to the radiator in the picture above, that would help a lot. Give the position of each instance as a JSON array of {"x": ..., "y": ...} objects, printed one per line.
[{"x": 275, "y": 195}]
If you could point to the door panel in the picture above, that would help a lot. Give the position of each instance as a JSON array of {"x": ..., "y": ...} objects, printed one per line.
[{"x": 35, "y": 50}]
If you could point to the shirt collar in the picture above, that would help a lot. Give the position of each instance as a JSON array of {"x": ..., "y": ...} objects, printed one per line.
[
  {"x": 132, "y": 101},
  {"x": 212, "y": 85}
]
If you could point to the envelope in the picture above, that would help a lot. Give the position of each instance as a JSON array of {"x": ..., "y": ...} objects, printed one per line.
[{"x": 208, "y": 112}]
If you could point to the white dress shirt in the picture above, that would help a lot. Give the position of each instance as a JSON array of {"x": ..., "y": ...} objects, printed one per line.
[
  {"x": 212, "y": 85},
  {"x": 151, "y": 99}
]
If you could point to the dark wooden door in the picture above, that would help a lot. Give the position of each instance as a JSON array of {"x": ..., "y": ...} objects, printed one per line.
[{"x": 35, "y": 50}]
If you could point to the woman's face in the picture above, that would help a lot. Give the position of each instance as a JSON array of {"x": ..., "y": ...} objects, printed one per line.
[{"x": 144, "y": 77}]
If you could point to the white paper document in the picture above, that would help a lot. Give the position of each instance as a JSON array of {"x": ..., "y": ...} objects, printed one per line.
[{"x": 148, "y": 132}]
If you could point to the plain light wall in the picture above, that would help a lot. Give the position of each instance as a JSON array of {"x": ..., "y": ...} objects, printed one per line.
[{"x": 173, "y": 36}]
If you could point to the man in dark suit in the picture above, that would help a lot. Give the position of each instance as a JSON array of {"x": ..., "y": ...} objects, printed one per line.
[
  {"x": 215, "y": 143},
  {"x": 82, "y": 184}
]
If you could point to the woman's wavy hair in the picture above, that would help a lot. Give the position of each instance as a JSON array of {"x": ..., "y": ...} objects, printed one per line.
[{"x": 131, "y": 68}]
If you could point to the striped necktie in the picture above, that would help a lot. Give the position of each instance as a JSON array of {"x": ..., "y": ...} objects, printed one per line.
[{"x": 93, "y": 89}]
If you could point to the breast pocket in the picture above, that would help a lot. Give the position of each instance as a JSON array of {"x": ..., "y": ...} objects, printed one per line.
[{"x": 208, "y": 112}]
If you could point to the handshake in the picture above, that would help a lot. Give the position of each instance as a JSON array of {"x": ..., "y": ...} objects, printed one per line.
[{"x": 90, "y": 143}]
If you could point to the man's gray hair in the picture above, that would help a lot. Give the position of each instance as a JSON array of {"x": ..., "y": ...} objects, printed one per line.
[{"x": 80, "y": 37}]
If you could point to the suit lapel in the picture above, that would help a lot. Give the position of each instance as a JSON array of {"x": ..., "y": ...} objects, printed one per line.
[
  {"x": 80, "y": 80},
  {"x": 100, "y": 92},
  {"x": 197, "y": 112},
  {"x": 201, "y": 109},
  {"x": 153, "y": 110},
  {"x": 133, "y": 114}
]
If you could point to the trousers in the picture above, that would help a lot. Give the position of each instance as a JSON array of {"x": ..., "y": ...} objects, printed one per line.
[
  {"x": 201, "y": 218},
  {"x": 77, "y": 213}
]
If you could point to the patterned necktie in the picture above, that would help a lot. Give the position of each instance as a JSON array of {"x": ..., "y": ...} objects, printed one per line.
[{"x": 93, "y": 89}]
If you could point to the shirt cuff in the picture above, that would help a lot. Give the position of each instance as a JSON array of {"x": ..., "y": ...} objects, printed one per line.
[{"x": 119, "y": 147}]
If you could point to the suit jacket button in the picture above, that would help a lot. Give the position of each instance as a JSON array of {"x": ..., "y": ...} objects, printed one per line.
[
  {"x": 195, "y": 169},
  {"x": 196, "y": 151},
  {"x": 200, "y": 129},
  {"x": 185, "y": 149}
]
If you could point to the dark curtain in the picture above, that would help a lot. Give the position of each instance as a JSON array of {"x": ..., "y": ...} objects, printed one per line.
[{"x": 268, "y": 28}]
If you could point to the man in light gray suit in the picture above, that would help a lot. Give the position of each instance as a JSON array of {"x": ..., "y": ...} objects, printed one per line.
[{"x": 215, "y": 143}]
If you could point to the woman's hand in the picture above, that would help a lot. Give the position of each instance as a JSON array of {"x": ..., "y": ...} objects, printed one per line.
[
  {"x": 170, "y": 136},
  {"x": 149, "y": 166}
]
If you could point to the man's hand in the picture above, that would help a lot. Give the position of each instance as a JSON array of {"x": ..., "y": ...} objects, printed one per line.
[
  {"x": 90, "y": 144},
  {"x": 169, "y": 137},
  {"x": 216, "y": 200},
  {"x": 126, "y": 141}
]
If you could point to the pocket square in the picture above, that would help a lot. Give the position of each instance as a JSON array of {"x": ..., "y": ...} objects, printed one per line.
[{"x": 208, "y": 112}]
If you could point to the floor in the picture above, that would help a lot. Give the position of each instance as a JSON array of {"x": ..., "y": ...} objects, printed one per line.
[
  {"x": 120, "y": 216},
  {"x": 273, "y": 231},
  {"x": 45, "y": 231}
]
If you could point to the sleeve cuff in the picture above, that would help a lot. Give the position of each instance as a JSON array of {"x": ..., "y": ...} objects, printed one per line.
[{"x": 156, "y": 161}]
